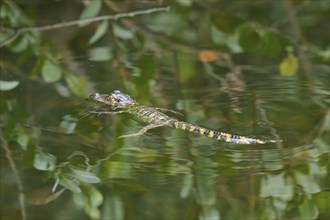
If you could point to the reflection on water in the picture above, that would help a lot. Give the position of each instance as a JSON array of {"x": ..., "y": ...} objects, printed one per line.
[
  {"x": 171, "y": 172},
  {"x": 60, "y": 162}
]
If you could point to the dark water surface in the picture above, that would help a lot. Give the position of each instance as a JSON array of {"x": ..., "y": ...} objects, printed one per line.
[{"x": 58, "y": 161}]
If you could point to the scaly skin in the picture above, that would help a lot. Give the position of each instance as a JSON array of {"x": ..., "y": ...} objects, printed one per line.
[{"x": 155, "y": 118}]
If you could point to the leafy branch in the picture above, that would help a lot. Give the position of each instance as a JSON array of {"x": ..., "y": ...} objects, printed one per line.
[{"x": 20, "y": 31}]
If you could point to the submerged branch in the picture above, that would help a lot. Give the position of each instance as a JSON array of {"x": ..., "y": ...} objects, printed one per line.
[{"x": 21, "y": 196}]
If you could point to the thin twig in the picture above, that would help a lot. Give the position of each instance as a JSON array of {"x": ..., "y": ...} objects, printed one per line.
[
  {"x": 79, "y": 21},
  {"x": 21, "y": 196},
  {"x": 50, "y": 198}
]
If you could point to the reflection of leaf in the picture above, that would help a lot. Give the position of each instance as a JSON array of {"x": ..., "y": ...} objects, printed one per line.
[
  {"x": 276, "y": 186},
  {"x": 307, "y": 182},
  {"x": 289, "y": 65},
  {"x": 187, "y": 185},
  {"x": 8, "y": 85},
  {"x": 77, "y": 84},
  {"x": 51, "y": 72},
  {"x": 210, "y": 212},
  {"x": 43, "y": 161},
  {"x": 100, "y": 31},
  {"x": 28, "y": 157},
  {"x": 113, "y": 208},
  {"x": 308, "y": 210},
  {"x": 141, "y": 154},
  {"x": 91, "y": 10},
  {"x": 90, "y": 199},
  {"x": 85, "y": 176},
  {"x": 323, "y": 54},
  {"x": 229, "y": 40},
  {"x": 100, "y": 54},
  {"x": 225, "y": 22},
  {"x": 23, "y": 137},
  {"x": 207, "y": 56},
  {"x": 205, "y": 192},
  {"x": 271, "y": 43},
  {"x": 68, "y": 124},
  {"x": 57, "y": 181},
  {"x": 326, "y": 121},
  {"x": 94, "y": 195},
  {"x": 69, "y": 184},
  {"x": 186, "y": 66},
  {"x": 249, "y": 37},
  {"x": 118, "y": 169}
]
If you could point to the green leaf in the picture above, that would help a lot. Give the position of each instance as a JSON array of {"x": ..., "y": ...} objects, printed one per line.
[
  {"x": 289, "y": 65},
  {"x": 21, "y": 45},
  {"x": 5, "y": 35},
  {"x": 100, "y": 31},
  {"x": 51, "y": 72},
  {"x": 8, "y": 85},
  {"x": 37, "y": 66},
  {"x": 100, "y": 54},
  {"x": 44, "y": 161},
  {"x": 122, "y": 32},
  {"x": 84, "y": 176},
  {"x": 69, "y": 184},
  {"x": 91, "y": 10},
  {"x": 11, "y": 14}
]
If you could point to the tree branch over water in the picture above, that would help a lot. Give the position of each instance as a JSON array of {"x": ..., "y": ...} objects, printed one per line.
[{"x": 22, "y": 30}]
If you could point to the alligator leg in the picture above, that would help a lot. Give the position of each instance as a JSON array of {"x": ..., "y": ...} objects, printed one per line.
[{"x": 143, "y": 130}]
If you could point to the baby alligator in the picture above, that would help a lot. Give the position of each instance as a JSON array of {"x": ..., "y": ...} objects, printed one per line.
[{"x": 124, "y": 103}]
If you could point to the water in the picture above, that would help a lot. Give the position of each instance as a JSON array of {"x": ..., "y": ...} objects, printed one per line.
[{"x": 72, "y": 165}]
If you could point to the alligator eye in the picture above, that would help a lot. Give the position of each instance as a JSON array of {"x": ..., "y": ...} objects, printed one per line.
[{"x": 115, "y": 99}]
